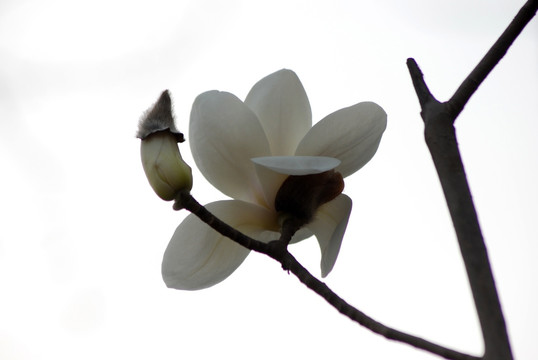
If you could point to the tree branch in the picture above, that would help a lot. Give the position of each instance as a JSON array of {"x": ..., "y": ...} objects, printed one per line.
[
  {"x": 440, "y": 136},
  {"x": 277, "y": 250},
  {"x": 493, "y": 56}
]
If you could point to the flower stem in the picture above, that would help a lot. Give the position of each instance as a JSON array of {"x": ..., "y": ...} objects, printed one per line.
[
  {"x": 278, "y": 251},
  {"x": 189, "y": 203}
]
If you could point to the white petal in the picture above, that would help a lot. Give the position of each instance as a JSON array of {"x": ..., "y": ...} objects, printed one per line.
[
  {"x": 351, "y": 135},
  {"x": 224, "y": 135},
  {"x": 280, "y": 102},
  {"x": 198, "y": 257},
  {"x": 270, "y": 182},
  {"x": 329, "y": 227},
  {"x": 298, "y": 165}
]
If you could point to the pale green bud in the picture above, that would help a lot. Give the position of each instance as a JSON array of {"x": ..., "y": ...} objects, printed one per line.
[{"x": 165, "y": 169}]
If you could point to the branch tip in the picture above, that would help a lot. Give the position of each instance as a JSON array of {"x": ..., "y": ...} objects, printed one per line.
[{"x": 423, "y": 93}]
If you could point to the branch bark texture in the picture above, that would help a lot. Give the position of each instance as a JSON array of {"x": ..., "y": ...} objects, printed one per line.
[{"x": 440, "y": 136}]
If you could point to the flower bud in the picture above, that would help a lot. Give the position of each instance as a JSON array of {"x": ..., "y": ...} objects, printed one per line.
[{"x": 165, "y": 169}]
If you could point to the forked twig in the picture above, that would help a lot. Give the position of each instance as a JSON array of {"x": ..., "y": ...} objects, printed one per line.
[{"x": 440, "y": 136}]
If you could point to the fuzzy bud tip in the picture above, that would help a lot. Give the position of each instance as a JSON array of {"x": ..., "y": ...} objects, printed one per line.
[{"x": 159, "y": 117}]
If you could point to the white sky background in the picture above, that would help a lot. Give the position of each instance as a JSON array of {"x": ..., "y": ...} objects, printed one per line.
[{"x": 82, "y": 234}]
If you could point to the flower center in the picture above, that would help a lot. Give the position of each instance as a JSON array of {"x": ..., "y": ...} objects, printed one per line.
[{"x": 301, "y": 195}]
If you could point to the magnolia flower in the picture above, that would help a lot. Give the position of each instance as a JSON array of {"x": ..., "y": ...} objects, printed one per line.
[{"x": 247, "y": 150}]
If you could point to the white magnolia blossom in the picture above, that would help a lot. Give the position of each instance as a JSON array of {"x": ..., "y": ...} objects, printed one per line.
[{"x": 246, "y": 150}]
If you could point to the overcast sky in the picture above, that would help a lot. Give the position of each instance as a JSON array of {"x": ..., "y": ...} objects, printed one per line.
[{"x": 82, "y": 234}]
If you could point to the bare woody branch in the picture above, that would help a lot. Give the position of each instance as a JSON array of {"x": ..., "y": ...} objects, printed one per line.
[{"x": 440, "y": 136}]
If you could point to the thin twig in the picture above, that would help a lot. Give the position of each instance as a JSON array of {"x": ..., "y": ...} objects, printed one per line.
[
  {"x": 493, "y": 56},
  {"x": 277, "y": 251},
  {"x": 423, "y": 92}
]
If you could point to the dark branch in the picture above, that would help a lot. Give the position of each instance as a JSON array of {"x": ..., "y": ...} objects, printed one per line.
[
  {"x": 358, "y": 316},
  {"x": 493, "y": 56},
  {"x": 278, "y": 250},
  {"x": 423, "y": 93},
  {"x": 440, "y": 136},
  {"x": 188, "y": 202}
]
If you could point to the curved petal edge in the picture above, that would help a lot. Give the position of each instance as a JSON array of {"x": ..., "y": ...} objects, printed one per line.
[
  {"x": 329, "y": 227},
  {"x": 297, "y": 165},
  {"x": 351, "y": 135}
]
